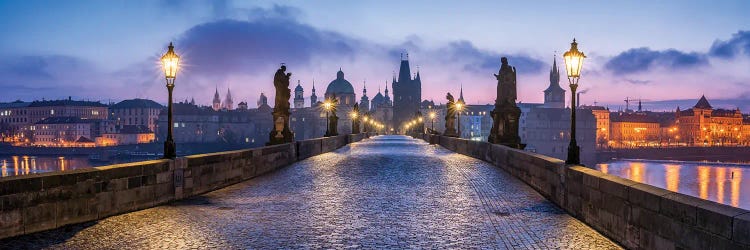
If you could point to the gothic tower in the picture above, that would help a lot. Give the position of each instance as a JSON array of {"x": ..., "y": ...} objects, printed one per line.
[
  {"x": 216, "y": 105},
  {"x": 299, "y": 97},
  {"x": 407, "y": 94},
  {"x": 364, "y": 102},
  {"x": 461, "y": 95},
  {"x": 313, "y": 97},
  {"x": 228, "y": 103},
  {"x": 554, "y": 95}
]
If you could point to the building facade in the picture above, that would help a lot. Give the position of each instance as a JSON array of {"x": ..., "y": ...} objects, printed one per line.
[
  {"x": 134, "y": 112},
  {"x": 407, "y": 94},
  {"x": 703, "y": 125}
]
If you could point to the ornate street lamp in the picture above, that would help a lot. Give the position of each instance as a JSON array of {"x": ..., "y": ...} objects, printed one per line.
[
  {"x": 432, "y": 121},
  {"x": 327, "y": 105},
  {"x": 170, "y": 62},
  {"x": 459, "y": 107},
  {"x": 573, "y": 65}
]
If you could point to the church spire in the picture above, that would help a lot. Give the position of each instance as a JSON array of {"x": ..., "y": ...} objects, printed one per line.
[{"x": 461, "y": 95}]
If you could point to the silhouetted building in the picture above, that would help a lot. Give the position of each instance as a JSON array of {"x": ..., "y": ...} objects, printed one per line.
[
  {"x": 216, "y": 103},
  {"x": 364, "y": 102},
  {"x": 547, "y": 131},
  {"x": 299, "y": 96},
  {"x": 554, "y": 95},
  {"x": 407, "y": 94},
  {"x": 228, "y": 103},
  {"x": 343, "y": 91},
  {"x": 313, "y": 97}
]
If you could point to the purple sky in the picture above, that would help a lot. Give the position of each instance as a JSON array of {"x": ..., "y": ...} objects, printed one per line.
[{"x": 108, "y": 50}]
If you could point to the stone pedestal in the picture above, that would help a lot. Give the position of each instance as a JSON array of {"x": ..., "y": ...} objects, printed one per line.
[
  {"x": 281, "y": 133},
  {"x": 505, "y": 126}
]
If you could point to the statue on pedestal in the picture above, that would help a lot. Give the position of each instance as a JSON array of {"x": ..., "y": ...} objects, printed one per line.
[
  {"x": 450, "y": 117},
  {"x": 355, "y": 119},
  {"x": 281, "y": 132},
  {"x": 506, "y": 114}
]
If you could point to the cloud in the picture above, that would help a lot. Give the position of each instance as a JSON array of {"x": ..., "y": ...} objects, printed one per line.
[
  {"x": 225, "y": 47},
  {"x": 639, "y": 82},
  {"x": 737, "y": 45},
  {"x": 483, "y": 61},
  {"x": 643, "y": 59}
]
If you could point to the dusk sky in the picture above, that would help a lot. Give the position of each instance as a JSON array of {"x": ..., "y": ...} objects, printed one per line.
[{"x": 108, "y": 50}]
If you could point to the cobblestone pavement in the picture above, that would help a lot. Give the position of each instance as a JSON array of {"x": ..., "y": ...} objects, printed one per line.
[{"x": 386, "y": 192}]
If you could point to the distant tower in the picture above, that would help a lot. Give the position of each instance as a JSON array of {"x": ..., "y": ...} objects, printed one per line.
[
  {"x": 461, "y": 95},
  {"x": 313, "y": 97},
  {"x": 217, "y": 101},
  {"x": 388, "y": 101},
  {"x": 364, "y": 102},
  {"x": 242, "y": 106},
  {"x": 263, "y": 100},
  {"x": 407, "y": 94},
  {"x": 228, "y": 103},
  {"x": 554, "y": 95},
  {"x": 299, "y": 97}
]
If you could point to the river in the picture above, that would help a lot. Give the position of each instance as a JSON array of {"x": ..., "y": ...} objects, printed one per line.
[
  {"x": 22, "y": 165},
  {"x": 719, "y": 182}
]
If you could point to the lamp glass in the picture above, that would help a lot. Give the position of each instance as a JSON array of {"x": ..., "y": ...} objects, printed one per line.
[
  {"x": 573, "y": 60},
  {"x": 170, "y": 61}
]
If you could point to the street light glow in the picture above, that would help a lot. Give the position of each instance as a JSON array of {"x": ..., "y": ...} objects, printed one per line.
[
  {"x": 170, "y": 62},
  {"x": 573, "y": 60}
]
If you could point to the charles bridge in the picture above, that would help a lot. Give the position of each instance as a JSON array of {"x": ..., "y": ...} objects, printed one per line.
[{"x": 359, "y": 191}]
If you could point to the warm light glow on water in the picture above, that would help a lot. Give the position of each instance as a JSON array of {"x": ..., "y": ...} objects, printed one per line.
[
  {"x": 22, "y": 165},
  {"x": 721, "y": 183}
]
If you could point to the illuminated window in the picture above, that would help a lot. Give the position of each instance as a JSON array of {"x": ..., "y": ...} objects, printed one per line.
[{"x": 176, "y": 124}]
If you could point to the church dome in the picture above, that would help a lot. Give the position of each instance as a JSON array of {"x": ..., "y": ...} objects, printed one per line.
[
  {"x": 340, "y": 85},
  {"x": 298, "y": 88}
]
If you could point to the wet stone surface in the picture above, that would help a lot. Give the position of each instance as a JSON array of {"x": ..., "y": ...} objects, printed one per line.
[{"x": 385, "y": 192}]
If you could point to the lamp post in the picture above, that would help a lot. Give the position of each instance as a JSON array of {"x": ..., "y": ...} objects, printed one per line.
[
  {"x": 459, "y": 107},
  {"x": 366, "y": 119},
  {"x": 327, "y": 106},
  {"x": 433, "y": 115},
  {"x": 170, "y": 63},
  {"x": 573, "y": 64}
]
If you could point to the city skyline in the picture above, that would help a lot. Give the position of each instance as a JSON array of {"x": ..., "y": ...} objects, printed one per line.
[{"x": 227, "y": 44}]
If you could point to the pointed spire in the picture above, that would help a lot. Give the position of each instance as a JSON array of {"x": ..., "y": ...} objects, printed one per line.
[
  {"x": 364, "y": 87},
  {"x": 461, "y": 95}
]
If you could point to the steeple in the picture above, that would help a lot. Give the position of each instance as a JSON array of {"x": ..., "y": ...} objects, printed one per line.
[
  {"x": 299, "y": 95},
  {"x": 554, "y": 95},
  {"x": 364, "y": 88},
  {"x": 313, "y": 97},
  {"x": 461, "y": 95},
  {"x": 216, "y": 104},
  {"x": 228, "y": 103}
]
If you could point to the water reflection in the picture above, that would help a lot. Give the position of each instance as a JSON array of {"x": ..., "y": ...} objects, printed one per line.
[
  {"x": 704, "y": 180},
  {"x": 22, "y": 165}
]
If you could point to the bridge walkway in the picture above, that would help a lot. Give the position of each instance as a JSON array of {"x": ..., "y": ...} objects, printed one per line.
[{"x": 385, "y": 192}]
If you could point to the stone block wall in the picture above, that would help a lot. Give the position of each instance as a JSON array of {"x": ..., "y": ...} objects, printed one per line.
[
  {"x": 636, "y": 215},
  {"x": 38, "y": 202}
]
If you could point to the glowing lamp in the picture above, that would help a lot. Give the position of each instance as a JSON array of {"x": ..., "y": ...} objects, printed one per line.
[
  {"x": 170, "y": 61},
  {"x": 574, "y": 60}
]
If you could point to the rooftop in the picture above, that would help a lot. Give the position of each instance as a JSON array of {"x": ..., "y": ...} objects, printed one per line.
[{"x": 137, "y": 103}]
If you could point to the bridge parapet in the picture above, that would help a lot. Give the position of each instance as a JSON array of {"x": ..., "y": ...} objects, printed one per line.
[
  {"x": 38, "y": 202},
  {"x": 636, "y": 215}
]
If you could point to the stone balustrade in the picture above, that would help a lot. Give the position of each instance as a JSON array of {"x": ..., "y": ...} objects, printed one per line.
[
  {"x": 636, "y": 215},
  {"x": 37, "y": 202}
]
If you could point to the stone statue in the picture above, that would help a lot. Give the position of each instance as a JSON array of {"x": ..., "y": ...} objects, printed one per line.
[
  {"x": 450, "y": 117},
  {"x": 281, "y": 132},
  {"x": 506, "y": 114},
  {"x": 355, "y": 119}
]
